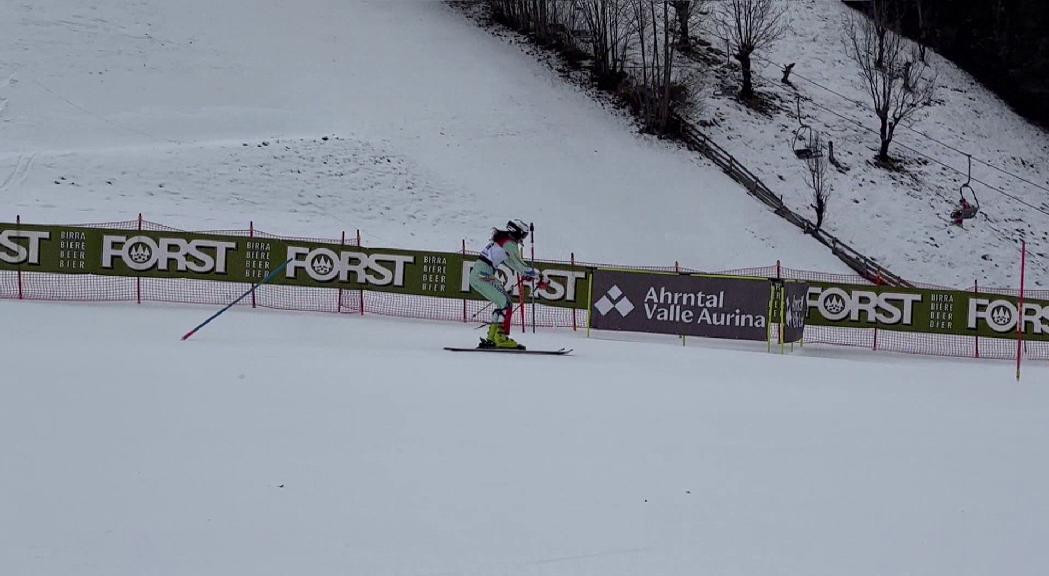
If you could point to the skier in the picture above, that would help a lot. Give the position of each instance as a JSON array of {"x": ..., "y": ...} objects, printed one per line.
[
  {"x": 505, "y": 247},
  {"x": 964, "y": 212}
]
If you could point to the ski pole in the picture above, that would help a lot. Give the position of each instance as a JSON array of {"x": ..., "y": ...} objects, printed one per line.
[
  {"x": 268, "y": 277},
  {"x": 531, "y": 293},
  {"x": 487, "y": 306}
]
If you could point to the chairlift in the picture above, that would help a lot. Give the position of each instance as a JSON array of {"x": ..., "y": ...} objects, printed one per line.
[
  {"x": 805, "y": 138},
  {"x": 966, "y": 210}
]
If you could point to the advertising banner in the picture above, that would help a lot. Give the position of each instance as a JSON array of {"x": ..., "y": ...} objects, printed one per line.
[
  {"x": 795, "y": 307},
  {"x": 711, "y": 306},
  {"x": 150, "y": 254},
  {"x": 926, "y": 311}
]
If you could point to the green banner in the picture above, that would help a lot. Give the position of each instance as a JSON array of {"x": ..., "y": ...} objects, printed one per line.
[
  {"x": 149, "y": 254},
  {"x": 927, "y": 311}
]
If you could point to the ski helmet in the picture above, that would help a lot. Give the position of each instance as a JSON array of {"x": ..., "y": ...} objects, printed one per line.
[{"x": 517, "y": 229}]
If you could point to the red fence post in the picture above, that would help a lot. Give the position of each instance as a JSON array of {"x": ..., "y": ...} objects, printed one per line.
[
  {"x": 1020, "y": 309},
  {"x": 778, "y": 273},
  {"x": 338, "y": 301},
  {"x": 138, "y": 280},
  {"x": 464, "y": 266},
  {"x": 877, "y": 282},
  {"x": 976, "y": 290},
  {"x": 362, "y": 288},
  {"x": 251, "y": 234},
  {"x": 18, "y": 222},
  {"x": 574, "y": 328}
]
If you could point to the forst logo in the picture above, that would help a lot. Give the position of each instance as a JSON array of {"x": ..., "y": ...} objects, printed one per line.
[
  {"x": 836, "y": 304},
  {"x": 325, "y": 265},
  {"x": 13, "y": 252},
  {"x": 1002, "y": 316},
  {"x": 562, "y": 283},
  {"x": 141, "y": 253},
  {"x": 833, "y": 305}
]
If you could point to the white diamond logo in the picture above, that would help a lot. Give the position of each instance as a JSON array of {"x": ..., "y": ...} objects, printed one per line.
[
  {"x": 624, "y": 307},
  {"x": 614, "y": 299}
]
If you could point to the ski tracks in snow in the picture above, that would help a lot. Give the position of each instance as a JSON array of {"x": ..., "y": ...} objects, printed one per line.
[{"x": 18, "y": 175}]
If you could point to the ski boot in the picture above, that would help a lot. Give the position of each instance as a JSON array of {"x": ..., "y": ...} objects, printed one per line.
[{"x": 498, "y": 339}]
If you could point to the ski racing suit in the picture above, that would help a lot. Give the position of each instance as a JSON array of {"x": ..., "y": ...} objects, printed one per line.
[{"x": 484, "y": 279}]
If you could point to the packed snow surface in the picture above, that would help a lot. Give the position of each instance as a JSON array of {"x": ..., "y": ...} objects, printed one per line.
[{"x": 280, "y": 443}]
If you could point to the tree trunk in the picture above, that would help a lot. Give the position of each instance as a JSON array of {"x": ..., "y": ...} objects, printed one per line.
[
  {"x": 880, "y": 62},
  {"x": 886, "y": 139},
  {"x": 747, "y": 90},
  {"x": 681, "y": 8},
  {"x": 923, "y": 30}
]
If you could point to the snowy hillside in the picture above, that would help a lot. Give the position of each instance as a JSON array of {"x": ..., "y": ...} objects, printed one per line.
[
  {"x": 206, "y": 115},
  {"x": 898, "y": 218}
]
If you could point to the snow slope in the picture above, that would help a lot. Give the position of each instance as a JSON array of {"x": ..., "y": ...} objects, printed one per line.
[
  {"x": 898, "y": 218},
  {"x": 206, "y": 115},
  {"x": 276, "y": 443}
]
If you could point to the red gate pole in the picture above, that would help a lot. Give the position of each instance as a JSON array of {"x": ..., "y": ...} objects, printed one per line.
[
  {"x": 521, "y": 301},
  {"x": 138, "y": 280},
  {"x": 778, "y": 275},
  {"x": 18, "y": 222},
  {"x": 338, "y": 301},
  {"x": 251, "y": 234},
  {"x": 574, "y": 328},
  {"x": 1020, "y": 312},
  {"x": 976, "y": 290},
  {"x": 362, "y": 287},
  {"x": 460, "y": 279}
]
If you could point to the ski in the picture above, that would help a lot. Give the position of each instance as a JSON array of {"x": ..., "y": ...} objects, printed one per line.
[{"x": 561, "y": 352}]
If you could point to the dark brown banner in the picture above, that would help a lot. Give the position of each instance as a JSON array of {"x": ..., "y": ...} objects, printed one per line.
[
  {"x": 711, "y": 306},
  {"x": 795, "y": 308}
]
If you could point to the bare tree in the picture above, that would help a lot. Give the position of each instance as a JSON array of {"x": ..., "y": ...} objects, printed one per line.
[
  {"x": 688, "y": 13},
  {"x": 881, "y": 16},
  {"x": 749, "y": 26},
  {"x": 656, "y": 41},
  {"x": 898, "y": 87},
  {"x": 816, "y": 169},
  {"x": 923, "y": 16},
  {"x": 610, "y": 33}
]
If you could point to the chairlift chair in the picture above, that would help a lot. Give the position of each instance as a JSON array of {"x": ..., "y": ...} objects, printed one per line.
[
  {"x": 804, "y": 137},
  {"x": 966, "y": 210}
]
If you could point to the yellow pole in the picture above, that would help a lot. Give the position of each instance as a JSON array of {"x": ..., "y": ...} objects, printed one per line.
[{"x": 589, "y": 303}]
